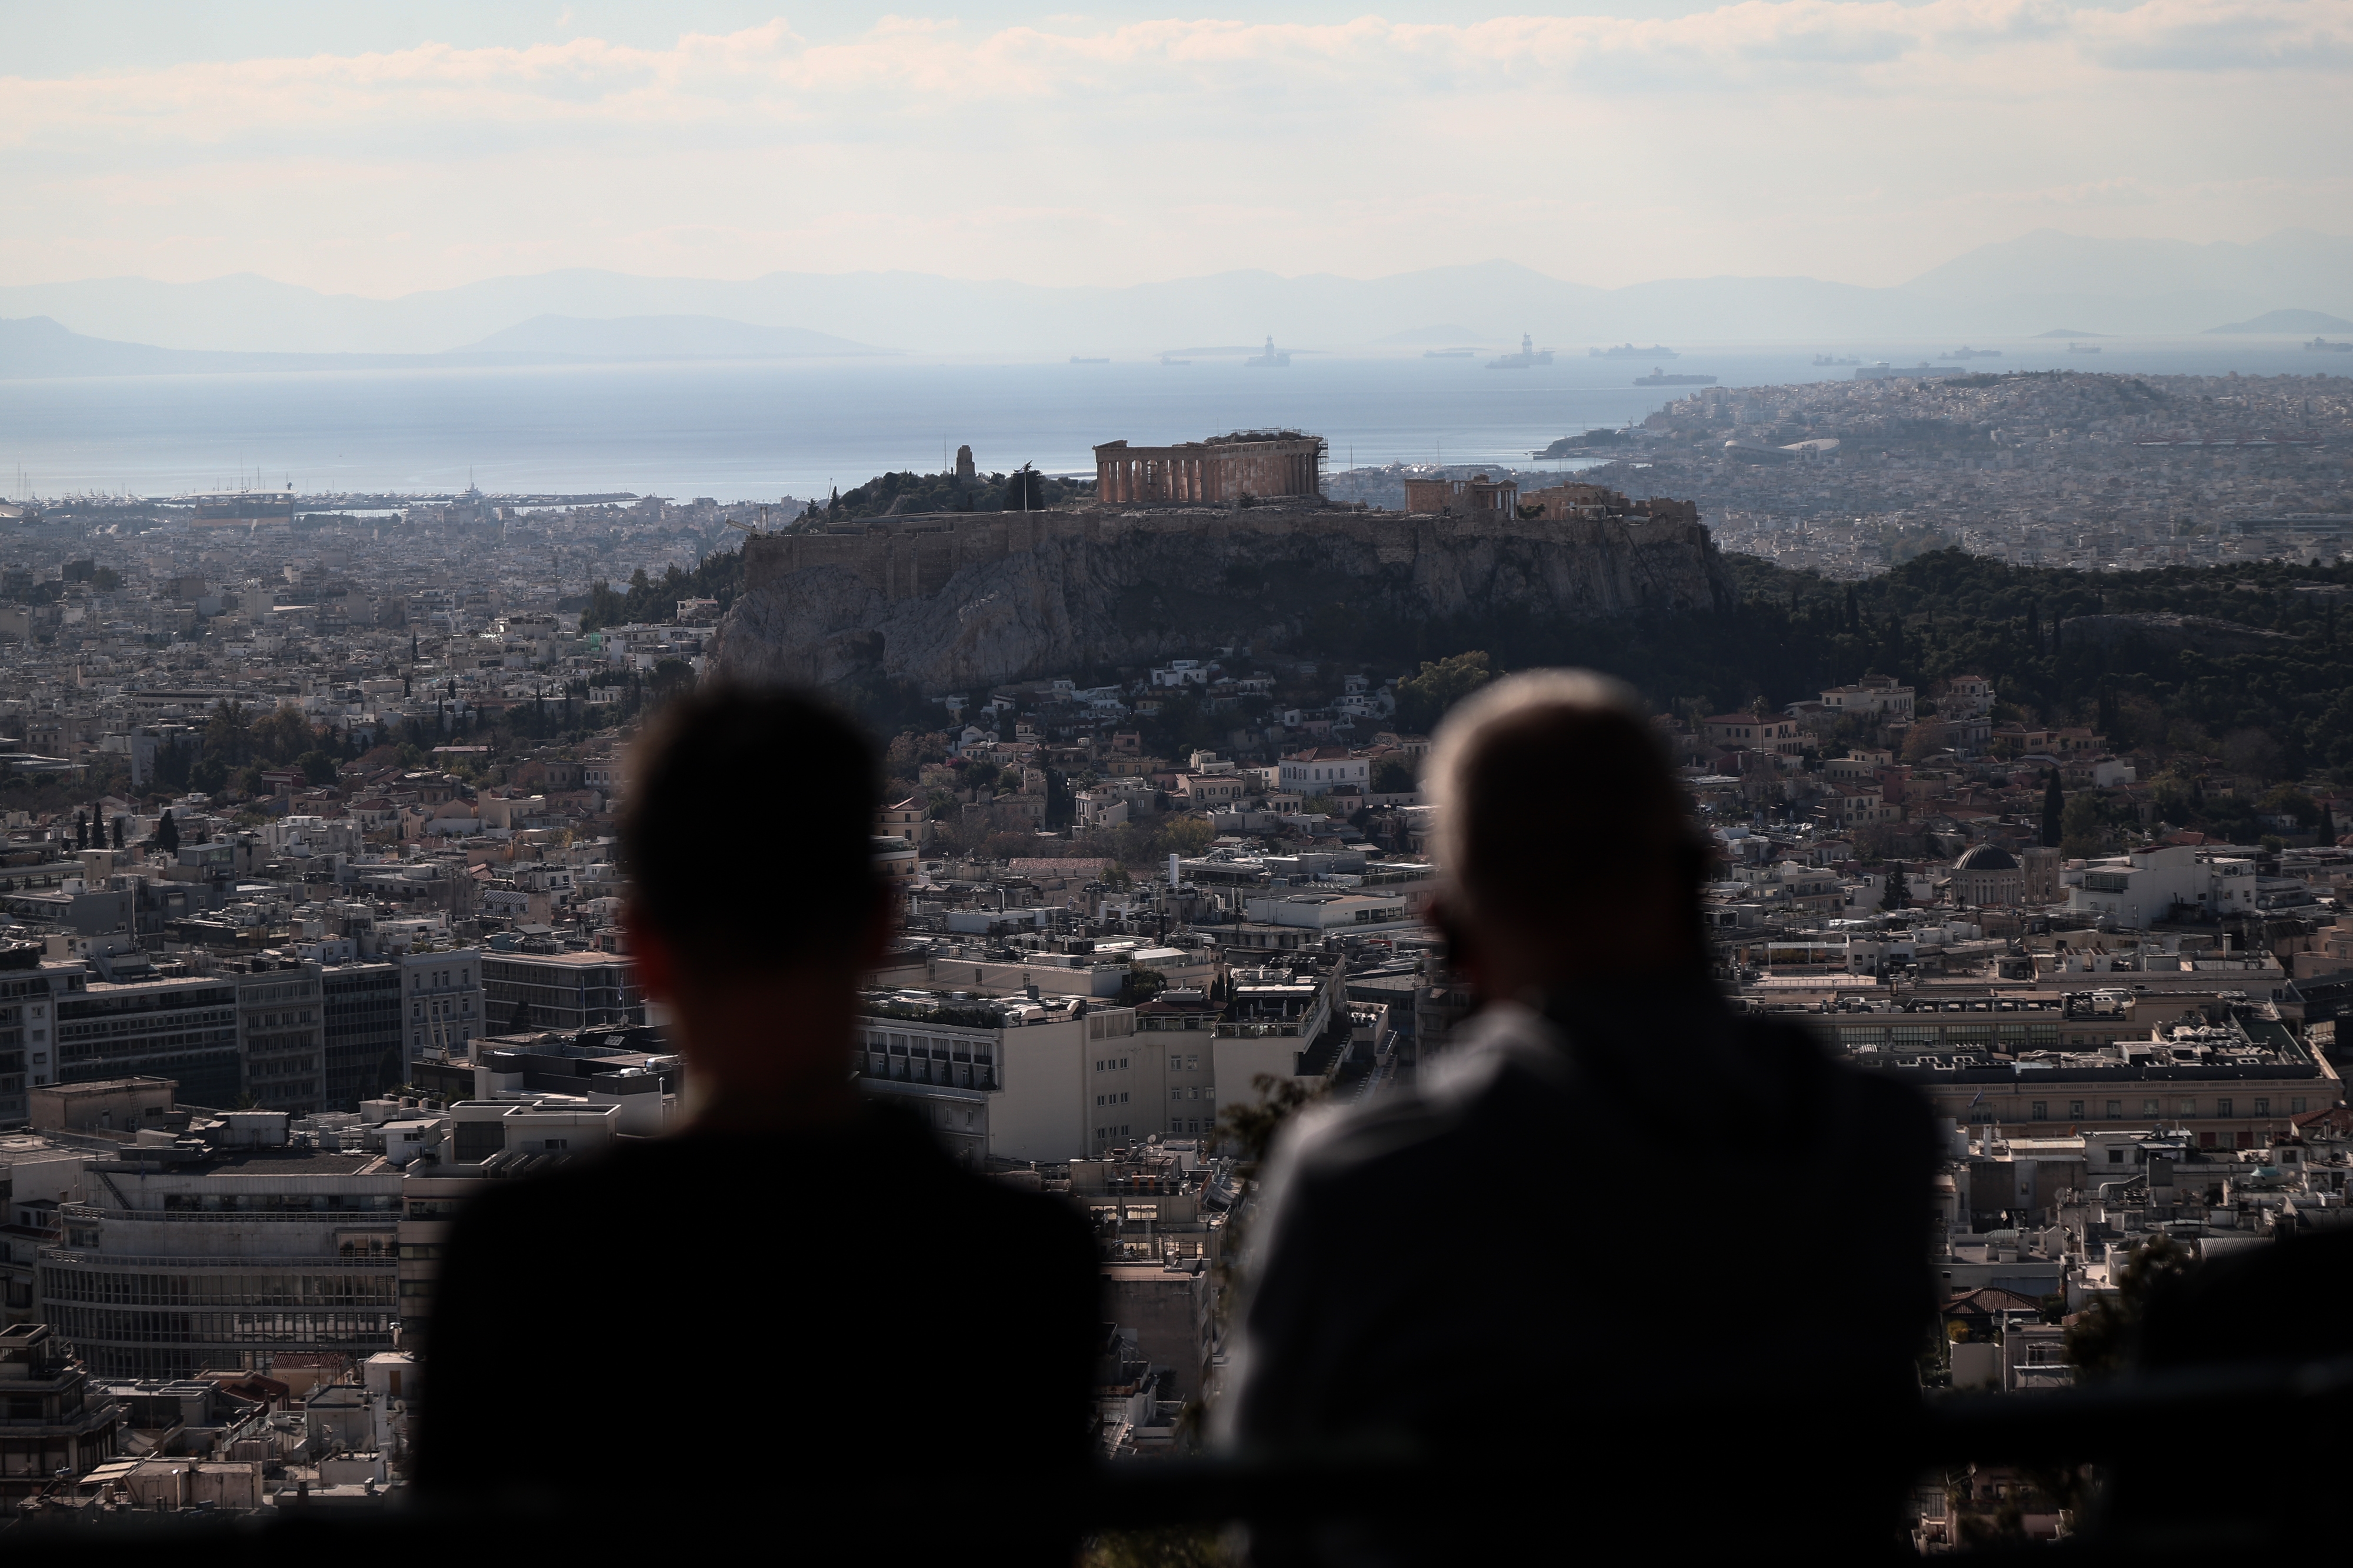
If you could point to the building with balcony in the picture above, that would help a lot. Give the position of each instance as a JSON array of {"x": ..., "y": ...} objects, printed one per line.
[
  {"x": 2136, "y": 891},
  {"x": 52, "y": 1422},
  {"x": 443, "y": 1002},
  {"x": 195, "y": 1255}
]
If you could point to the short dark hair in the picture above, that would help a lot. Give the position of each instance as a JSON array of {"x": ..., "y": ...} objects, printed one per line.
[
  {"x": 1574, "y": 749},
  {"x": 800, "y": 875}
]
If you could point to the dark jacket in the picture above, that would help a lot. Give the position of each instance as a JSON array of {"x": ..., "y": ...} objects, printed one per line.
[
  {"x": 1672, "y": 1256},
  {"x": 805, "y": 1312}
]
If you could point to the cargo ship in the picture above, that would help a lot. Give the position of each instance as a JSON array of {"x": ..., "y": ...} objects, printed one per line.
[
  {"x": 1529, "y": 354},
  {"x": 1273, "y": 359},
  {"x": 1660, "y": 378},
  {"x": 1628, "y": 351}
]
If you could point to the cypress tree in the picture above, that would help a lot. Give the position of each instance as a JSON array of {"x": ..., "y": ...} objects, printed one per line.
[
  {"x": 82, "y": 830},
  {"x": 118, "y": 833},
  {"x": 1892, "y": 897},
  {"x": 2054, "y": 807},
  {"x": 167, "y": 833},
  {"x": 2327, "y": 823}
]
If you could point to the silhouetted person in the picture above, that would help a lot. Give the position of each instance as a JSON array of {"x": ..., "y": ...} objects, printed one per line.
[
  {"x": 2264, "y": 1311},
  {"x": 800, "y": 1290},
  {"x": 1672, "y": 1258}
]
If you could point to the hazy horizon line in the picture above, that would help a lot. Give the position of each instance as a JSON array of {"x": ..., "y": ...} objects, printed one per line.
[{"x": 1490, "y": 261}]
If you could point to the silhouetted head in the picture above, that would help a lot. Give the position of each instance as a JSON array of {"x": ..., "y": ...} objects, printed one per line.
[
  {"x": 746, "y": 834},
  {"x": 1562, "y": 834}
]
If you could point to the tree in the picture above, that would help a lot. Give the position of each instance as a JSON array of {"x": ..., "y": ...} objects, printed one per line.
[
  {"x": 2054, "y": 801},
  {"x": 317, "y": 766},
  {"x": 167, "y": 833},
  {"x": 1892, "y": 896},
  {"x": 2327, "y": 823},
  {"x": 82, "y": 830},
  {"x": 1424, "y": 698},
  {"x": 1394, "y": 775},
  {"x": 2100, "y": 1342},
  {"x": 2253, "y": 752},
  {"x": 1025, "y": 490},
  {"x": 118, "y": 833},
  {"x": 1141, "y": 985},
  {"x": 1924, "y": 740},
  {"x": 1249, "y": 1130},
  {"x": 1186, "y": 835},
  {"x": 2083, "y": 825}
]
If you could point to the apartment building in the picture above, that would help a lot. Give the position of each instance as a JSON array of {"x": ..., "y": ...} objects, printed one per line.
[
  {"x": 30, "y": 991},
  {"x": 561, "y": 991},
  {"x": 1052, "y": 1078},
  {"x": 443, "y": 1001}
]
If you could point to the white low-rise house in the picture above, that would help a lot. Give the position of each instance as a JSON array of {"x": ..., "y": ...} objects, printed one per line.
[
  {"x": 1321, "y": 768},
  {"x": 2136, "y": 890},
  {"x": 1874, "y": 695}
]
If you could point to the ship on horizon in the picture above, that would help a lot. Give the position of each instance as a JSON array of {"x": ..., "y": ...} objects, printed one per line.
[
  {"x": 1272, "y": 359},
  {"x": 1628, "y": 351},
  {"x": 1834, "y": 359},
  {"x": 1529, "y": 354},
  {"x": 1661, "y": 378}
]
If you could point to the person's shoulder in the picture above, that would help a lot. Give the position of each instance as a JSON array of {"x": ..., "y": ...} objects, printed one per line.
[
  {"x": 1504, "y": 1055},
  {"x": 1871, "y": 1106},
  {"x": 921, "y": 1172},
  {"x": 567, "y": 1186}
]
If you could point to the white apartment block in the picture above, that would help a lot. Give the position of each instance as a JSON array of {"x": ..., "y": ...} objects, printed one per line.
[{"x": 2134, "y": 890}]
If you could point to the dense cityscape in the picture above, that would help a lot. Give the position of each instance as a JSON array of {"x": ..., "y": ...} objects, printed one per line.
[{"x": 314, "y": 920}]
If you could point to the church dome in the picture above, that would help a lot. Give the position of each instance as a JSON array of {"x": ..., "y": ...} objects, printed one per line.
[{"x": 1985, "y": 858}]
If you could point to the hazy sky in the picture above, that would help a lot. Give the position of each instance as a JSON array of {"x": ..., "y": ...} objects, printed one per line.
[{"x": 382, "y": 149}]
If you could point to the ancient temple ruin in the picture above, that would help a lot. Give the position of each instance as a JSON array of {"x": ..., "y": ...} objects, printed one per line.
[{"x": 1260, "y": 464}]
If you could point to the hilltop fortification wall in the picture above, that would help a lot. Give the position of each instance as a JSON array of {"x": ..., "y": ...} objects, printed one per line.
[{"x": 960, "y": 600}]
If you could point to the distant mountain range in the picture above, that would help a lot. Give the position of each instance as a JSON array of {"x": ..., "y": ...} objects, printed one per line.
[
  {"x": 661, "y": 337},
  {"x": 2289, "y": 322},
  {"x": 2011, "y": 289},
  {"x": 37, "y": 346}
]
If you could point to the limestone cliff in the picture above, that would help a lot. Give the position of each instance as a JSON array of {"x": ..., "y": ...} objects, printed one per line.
[{"x": 960, "y": 603}]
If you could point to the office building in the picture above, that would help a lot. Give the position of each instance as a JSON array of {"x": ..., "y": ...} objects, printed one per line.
[{"x": 562, "y": 991}]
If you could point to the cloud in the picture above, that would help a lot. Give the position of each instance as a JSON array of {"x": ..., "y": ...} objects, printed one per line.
[{"x": 1067, "y": 149}]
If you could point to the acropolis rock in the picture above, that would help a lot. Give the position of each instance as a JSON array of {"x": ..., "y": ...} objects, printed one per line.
[{"x": 953, "y": 601}]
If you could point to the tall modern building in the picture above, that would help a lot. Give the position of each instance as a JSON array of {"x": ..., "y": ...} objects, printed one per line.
[
  {"x": 363, "y": 1055},
  {"x": 281, "y": 1044}
]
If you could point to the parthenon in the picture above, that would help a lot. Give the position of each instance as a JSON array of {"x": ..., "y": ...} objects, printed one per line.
[{"x": 1261, "y": 464}]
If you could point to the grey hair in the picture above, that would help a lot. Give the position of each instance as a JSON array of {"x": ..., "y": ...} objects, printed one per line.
[{"x": 1475, "y": 716}]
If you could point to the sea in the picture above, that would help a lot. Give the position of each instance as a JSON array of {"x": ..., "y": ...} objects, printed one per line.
[{"x": 764, "y": 430}]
